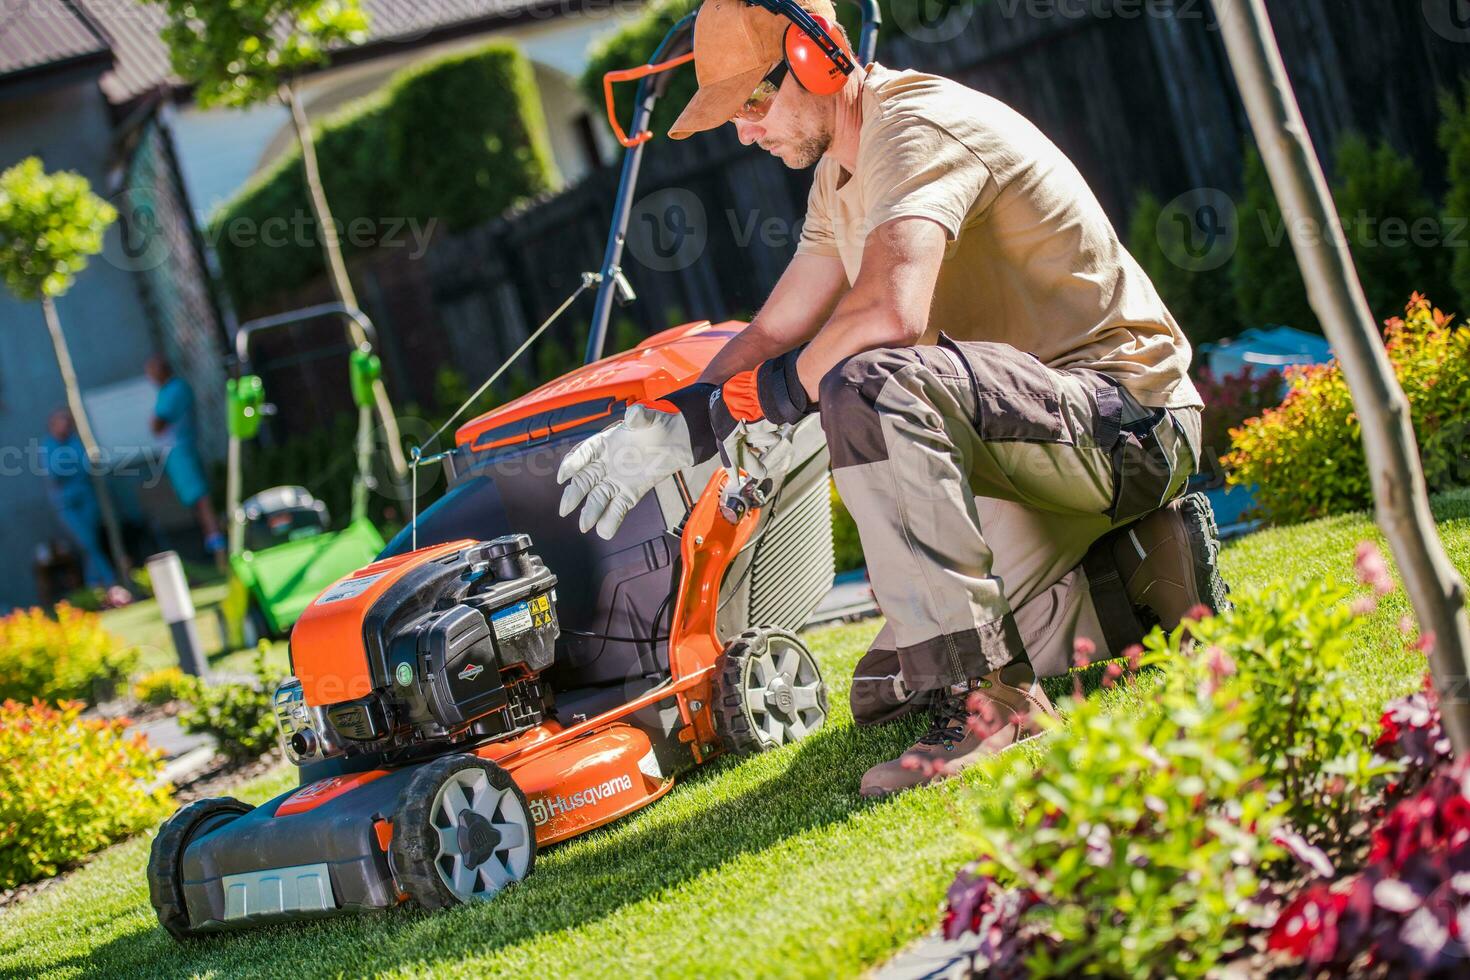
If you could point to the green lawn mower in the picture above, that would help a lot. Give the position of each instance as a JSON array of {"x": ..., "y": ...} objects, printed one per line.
[{"x": 283, "y": 552}]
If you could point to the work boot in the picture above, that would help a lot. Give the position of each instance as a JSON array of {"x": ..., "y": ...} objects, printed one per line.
[
  {"x": 992, "y": 714},
  {"x": 878, "y": 694},
  {"x": 1168, "y": 560}
]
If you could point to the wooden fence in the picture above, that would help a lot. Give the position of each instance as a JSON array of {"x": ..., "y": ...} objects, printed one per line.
[{"x": 1137, "y": 92}]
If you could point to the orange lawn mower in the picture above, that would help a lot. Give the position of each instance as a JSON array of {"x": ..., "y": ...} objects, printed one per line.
[{"x": 497, "y": 681}]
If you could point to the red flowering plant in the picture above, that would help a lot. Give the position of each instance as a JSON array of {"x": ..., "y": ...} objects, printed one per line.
[
  {"x": 1229, "y": 400},
  {"x": 1408, "y": 911}
]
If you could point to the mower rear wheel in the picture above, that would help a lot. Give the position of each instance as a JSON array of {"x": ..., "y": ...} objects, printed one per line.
[
  {"x": 165, "y": 861},
  {"x": 769, "y": 691},
  {"x": 462, "y": 832}
]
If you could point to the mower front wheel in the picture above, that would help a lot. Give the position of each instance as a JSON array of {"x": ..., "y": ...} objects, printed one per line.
[
  {"x": 166, "y": 859},
  {"x": 462, "y": 832},
  {"x": 769, "y": 691}
]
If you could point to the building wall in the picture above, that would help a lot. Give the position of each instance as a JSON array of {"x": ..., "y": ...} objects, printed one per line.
[{"x": 106, "y": 326}]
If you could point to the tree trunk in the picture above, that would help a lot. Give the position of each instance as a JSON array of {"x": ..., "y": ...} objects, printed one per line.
[
  {"x": 1400, "y": 496},
  {"x": 337, "y": 270},
  {"x": 89, "y": 443}
]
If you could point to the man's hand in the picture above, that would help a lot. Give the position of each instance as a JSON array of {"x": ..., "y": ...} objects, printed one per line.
[
  {"x": 612, "y": 470},
  {"x": 764, "y": 452}
]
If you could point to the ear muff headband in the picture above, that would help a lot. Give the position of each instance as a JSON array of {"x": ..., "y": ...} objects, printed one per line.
[{"x": 821, "y": 64}]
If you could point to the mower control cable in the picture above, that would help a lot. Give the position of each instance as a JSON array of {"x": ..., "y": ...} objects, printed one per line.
[{"x": 417, "y": 457}]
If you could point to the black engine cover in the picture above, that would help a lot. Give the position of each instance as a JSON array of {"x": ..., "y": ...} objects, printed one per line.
[{"x": 457, "y": 656}]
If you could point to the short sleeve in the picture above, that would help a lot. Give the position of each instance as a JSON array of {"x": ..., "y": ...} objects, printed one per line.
[
  {"x": 912, "y": 168},
  {"x": 817, "y": 237}
]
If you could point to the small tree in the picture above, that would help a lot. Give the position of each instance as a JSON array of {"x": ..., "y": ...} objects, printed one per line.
[
  {"x": 244, "y": 52},
  {"x": 49, "y": 225}
]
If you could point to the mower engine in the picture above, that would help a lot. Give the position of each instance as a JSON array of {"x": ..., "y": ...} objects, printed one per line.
[{"x": 444, "y": 648}]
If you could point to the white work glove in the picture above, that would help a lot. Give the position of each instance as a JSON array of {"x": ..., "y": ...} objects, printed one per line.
[
  {"x": 763, "y": 450},
  {"x": 612, "y": 470}
]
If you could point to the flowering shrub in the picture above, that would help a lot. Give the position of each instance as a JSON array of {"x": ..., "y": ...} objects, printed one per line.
[
  {"x": 159, "y": 687},
  {"x": 1230, "y": 399},
  {"x": 1408, "y": 911},
  {"x": 69, "y": 786},
  {"x": 1285, "y": 656},
  {"x": 1410, "y": 732},
  {"x": 70, "y": 656},
  {"x": 1305, "y": 457},
  {"x": 1141, "y": 842},
  {"x": 237, "y": 713}
]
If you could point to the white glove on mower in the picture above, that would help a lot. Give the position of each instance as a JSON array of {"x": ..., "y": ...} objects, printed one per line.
[
  {"x": 615, "y": 468},
  {"x": 752, "y": 415}
]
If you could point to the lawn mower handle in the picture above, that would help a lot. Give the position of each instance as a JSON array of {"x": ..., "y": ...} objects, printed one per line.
[{"x": 677, "y": 48}]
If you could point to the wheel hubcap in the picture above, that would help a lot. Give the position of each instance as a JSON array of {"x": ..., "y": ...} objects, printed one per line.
[
  {"x": 783, "y": 690},
  {"x": 485, "y": 836}
]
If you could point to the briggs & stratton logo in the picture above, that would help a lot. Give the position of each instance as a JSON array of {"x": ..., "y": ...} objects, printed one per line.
[{"x": 471, "y": 671}]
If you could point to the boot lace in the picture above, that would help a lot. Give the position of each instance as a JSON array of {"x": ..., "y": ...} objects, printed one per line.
[{"x": 947, "y": 720}]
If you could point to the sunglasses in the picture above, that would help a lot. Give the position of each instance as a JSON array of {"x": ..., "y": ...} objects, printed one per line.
[{"x": 764, "y": 96}]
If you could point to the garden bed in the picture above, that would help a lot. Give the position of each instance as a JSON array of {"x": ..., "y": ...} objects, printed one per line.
[{"x": 756, "y": 866}]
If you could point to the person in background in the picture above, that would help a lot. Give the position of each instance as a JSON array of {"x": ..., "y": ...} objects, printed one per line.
[
  {"x": 173, "y": 423},
  {"x": 75, "y": 500}
]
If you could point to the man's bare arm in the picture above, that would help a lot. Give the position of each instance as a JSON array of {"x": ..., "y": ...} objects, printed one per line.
[
  {"x": 802, "y": 301},
  {"x": 888, "y": 306}
]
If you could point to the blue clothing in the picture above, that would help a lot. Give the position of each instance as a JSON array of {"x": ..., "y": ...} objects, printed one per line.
[
  {"x": 175, "y": 406},
  {"x": 75, "y": 500},
  {"x": 186, "y": 473}
]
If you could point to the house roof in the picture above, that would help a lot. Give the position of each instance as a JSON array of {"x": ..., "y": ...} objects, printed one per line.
[
  {"x": 38, "y": 35},
  {"x": 142, "y": 60}
]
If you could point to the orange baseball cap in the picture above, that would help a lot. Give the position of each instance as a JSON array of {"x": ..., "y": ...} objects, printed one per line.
[{"x": 735, "y": 45}]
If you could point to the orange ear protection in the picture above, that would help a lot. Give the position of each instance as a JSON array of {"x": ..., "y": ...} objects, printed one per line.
[{"x": 820, "y": 63}]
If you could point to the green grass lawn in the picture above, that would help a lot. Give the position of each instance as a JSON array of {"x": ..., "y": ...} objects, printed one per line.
[
  {"x": 769, "y": 865},
  {"x": 141, "y": 625}
]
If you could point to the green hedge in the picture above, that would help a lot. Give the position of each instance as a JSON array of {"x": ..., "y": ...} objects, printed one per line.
[
  {"x": 1391, "y": 225},
  {"x": 433, "y": 144},
  {"x": 466, "y": 137},
  {"x": 1454, "y": 140}
]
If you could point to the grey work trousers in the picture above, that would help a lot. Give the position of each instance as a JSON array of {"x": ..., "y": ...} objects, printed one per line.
[{"x": 978, "y": 479}]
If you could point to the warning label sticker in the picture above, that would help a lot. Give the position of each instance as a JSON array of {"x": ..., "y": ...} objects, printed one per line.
[
  {"x": 512, "y": 620},
  {"x": 349, "y": 589}
]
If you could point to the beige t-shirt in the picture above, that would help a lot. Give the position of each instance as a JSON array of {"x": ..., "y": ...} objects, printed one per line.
[{"x": 1032, "y": 259}]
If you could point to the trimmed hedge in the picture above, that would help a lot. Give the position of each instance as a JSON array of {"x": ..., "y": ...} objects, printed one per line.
[{"x": 456, "y": 140}]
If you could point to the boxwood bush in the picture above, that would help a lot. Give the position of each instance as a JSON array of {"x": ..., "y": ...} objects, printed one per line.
[
  {"x": 1305, "y": 457},
  {"x": 70, "y": 786},
  {"x": 458, "y": 139},
  {"x": 70, "y": 656}
]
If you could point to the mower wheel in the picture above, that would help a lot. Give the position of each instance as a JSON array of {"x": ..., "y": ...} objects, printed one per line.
[
  {"x": 462, "y": 832},
  {"x": 769, "y": 691},
  {"x": 165, "y": 861}
]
